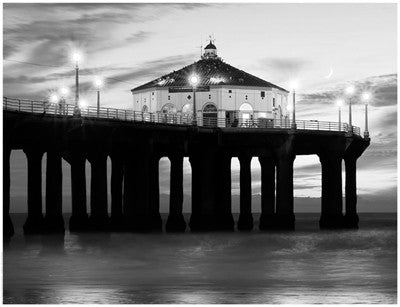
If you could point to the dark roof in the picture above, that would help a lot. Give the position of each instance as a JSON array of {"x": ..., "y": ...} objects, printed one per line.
[
  {"x": 210, "y": 72},
  {"x": 210, "y": 46}
]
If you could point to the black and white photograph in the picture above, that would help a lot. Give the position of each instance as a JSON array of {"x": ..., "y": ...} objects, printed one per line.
[{"x": 199, "y": 153}]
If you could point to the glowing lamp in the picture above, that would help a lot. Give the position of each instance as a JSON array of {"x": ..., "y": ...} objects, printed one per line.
[
  {"x": 339, "y": 102},
  {"x": 98, "y": 82},
  {"x": 350, "y": 90},
  {"x": 76, "y": 56},
  {"x": 366, "y": 97},
  {"x": 194, "y": 80},
  {"x": 294, "y": 84},
  {"x": 82, "y": 103},
  {"x": 64, "y": 91},
  {"x": 53, "y": 98}
]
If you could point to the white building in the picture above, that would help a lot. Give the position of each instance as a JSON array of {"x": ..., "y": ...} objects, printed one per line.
[{"x": 223, "y": 91}]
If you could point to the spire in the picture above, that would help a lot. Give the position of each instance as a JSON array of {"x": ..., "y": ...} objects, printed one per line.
[{"x": 210, "y": 51}]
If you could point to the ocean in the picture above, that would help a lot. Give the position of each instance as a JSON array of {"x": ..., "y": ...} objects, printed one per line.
[{"x": 307, "y": 265}]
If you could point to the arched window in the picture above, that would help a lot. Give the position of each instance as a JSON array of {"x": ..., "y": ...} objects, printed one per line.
[
  {"x": 187, "y": 108},
  {"x": 145, "y": 108},
  {"x": 168, "y": 109},
  {"x": 210, "y": 115},
  {"x": 246, "y": 112}
]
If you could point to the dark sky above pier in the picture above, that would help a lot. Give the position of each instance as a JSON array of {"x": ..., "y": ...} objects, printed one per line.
[{"x": 324, "y": 46}]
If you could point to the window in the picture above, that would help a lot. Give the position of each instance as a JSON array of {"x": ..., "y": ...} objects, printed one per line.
[
  {"x": 273, "y": 102},
  {"x": 230, "y": 91},
  {"x": 262, "y": 94},
  {"x": 246, "y": 97},
  {"x": 209, "y": 96},
  {"x": 169, "y": 97},
  {"x": 152, "y": 93}
]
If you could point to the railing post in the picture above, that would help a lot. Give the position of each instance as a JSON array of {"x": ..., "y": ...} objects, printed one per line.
[
  {"x": 107, "y": 113},
  {"x": 32, "y": 106},
  {"x": 5, "y": 100}
]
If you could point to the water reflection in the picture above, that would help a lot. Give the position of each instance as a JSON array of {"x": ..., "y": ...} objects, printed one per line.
[{"x": 304, "y": 266}]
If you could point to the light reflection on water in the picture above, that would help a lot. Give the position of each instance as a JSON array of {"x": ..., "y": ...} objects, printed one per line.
[{"x": 305, "y": 266}]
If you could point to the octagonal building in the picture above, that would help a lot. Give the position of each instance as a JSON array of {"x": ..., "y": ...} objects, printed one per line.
[{"x": 223, "y": 92}]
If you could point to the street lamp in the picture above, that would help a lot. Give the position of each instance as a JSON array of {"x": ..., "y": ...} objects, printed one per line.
[
  {"x": 194, "y": 80},
  {"x": 349, "y": 92},
  {"x": 76, "y": 57},
  {"x": 294, "y": 86},
  {"x": 340, "y": 103},
  {"x": 366, "y": 97},
  {"x": 98, "y": 83}
]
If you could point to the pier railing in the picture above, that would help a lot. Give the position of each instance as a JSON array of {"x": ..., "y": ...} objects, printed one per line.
[{"x": 63, "y": 109}]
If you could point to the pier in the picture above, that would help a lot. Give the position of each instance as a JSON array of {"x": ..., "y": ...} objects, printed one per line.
[{"x": 136, "y": 141}]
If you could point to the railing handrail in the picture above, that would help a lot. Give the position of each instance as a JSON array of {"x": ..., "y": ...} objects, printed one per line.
[{"x": 64, "y": 109}]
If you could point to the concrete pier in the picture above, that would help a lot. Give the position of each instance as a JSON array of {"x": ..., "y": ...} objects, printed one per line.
[
  {"x": 225, "y": 220},
  {"x": 34, "y": 222},
  {"x": 267, "y": 218},
  {"x": 176, "y": 221},
  {"x": 135, "y": 149},
  {"x": 54, "y": 221},
  {"x": 117, "y": 173},
  {"x": 99, "y": 219},
  {"x": 284, "y": 216},
  {"x": 8, "y": 228},
  {"x": 79, "y": 218},
  {"x": 331, "y": 198},
  {"x": 245, "y": 221}
]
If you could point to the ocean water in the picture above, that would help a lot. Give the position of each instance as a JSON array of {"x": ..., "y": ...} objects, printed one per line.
[{"x": 302, "y": 266}]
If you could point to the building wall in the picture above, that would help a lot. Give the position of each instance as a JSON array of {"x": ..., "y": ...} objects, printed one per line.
[{"x": 225, "y": 98}]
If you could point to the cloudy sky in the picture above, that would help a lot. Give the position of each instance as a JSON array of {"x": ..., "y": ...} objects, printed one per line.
[{"x": 130, "y": 44}]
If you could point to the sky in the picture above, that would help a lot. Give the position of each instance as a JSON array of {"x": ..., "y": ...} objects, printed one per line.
[{"x": 325, "y": 47}]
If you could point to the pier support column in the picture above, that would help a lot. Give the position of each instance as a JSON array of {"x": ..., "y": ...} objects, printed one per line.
[
  {"x": 284, "y": 217},
  {"x": 224, "y": 210},
  {"x": 267, "y": 218},
  {"x": 54, "y": 221},
  {"x": 34, "y": 222},
  {"x": 154, "y": 193},
  {"x": 332, "y": 198},
  {"x": 204, "y": 190},
  {"x": 8, "y": 228},
  {"x": 176, "y": 221},
  {"x": 351, "y": 218},
  {"x": 116, "y": 220},
  {"x": 136, "y": 189},
  {"x": 99, "y": 219},
  {"x": 79, "y": 217},
  {"x": 245, "y": 218}
]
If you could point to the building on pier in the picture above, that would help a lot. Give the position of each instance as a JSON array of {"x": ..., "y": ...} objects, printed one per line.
[{"x": 223, "y": 92}]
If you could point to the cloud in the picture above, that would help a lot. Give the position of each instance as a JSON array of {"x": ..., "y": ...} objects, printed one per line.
[
  {"x": 139, "y": 37},
  {"x": 383, "y": 89},
  {"x": 285, "y": 66}
]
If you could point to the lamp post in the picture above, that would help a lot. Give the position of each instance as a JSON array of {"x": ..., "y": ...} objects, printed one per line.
[
  {"x": 340, "y": 103},
  {"x": 194, "y": 80},
  {"x": 76, "y": 57},
  {"x": 294, "y": 86},
  {"x": 98, "y": 83},
  {"x": 366, "y": 97},
  {"x": 289, "y": 108},
  {"x": 350, "y": 91}
]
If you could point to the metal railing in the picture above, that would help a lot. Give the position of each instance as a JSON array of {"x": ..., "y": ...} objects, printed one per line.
[{"x": 62, "y": 109}]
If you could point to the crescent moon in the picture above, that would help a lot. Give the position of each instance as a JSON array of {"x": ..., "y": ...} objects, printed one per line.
[{"x": 330, "y": 73}]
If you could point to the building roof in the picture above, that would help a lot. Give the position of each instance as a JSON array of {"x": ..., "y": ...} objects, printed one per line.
[{"x": 210, "y": 72}]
